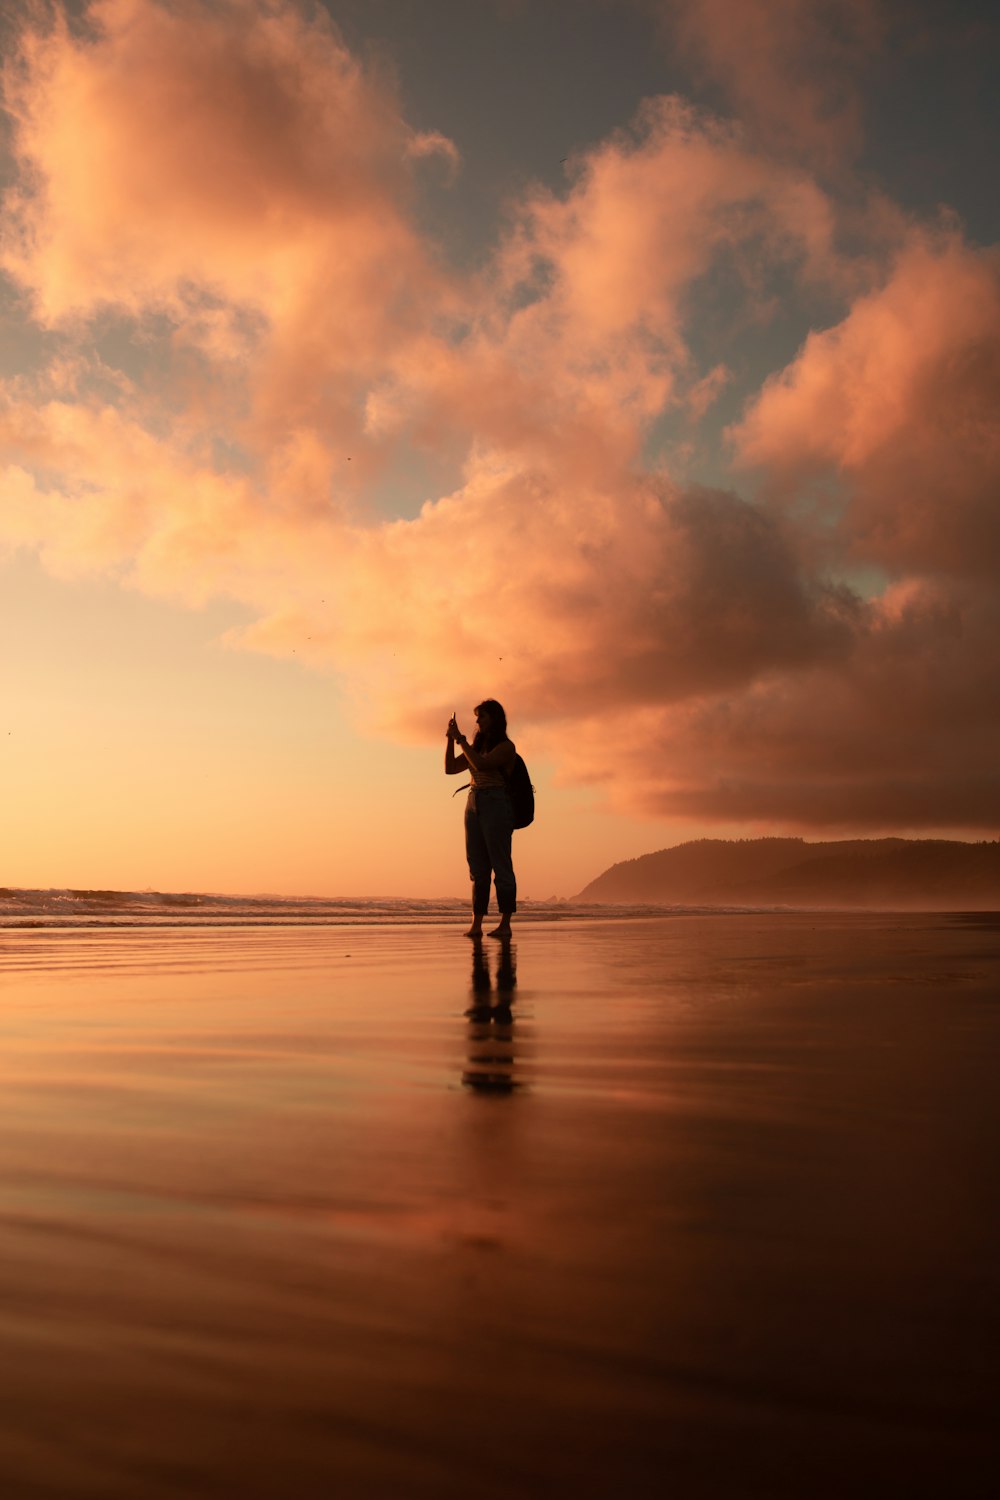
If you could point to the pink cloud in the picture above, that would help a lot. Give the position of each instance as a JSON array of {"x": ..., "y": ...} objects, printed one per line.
[
  {"x": 898, "y": 732},
  {"x": 579, "y": 327},
  {"x": 788, "y": 68},
  {"x": 898, "y": 404},
  {"x": 231, "y": 147},
  {"x": 233, "y": 169},
  {"x": 235, "y": 188}
]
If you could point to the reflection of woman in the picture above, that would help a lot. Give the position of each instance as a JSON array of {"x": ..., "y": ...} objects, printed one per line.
[
  {"x": 491, "y": 1068},
  {"x": 489, "y": 817}
]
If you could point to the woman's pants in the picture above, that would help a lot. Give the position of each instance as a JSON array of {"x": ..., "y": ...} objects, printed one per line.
[{"x": 489, "y": 823}]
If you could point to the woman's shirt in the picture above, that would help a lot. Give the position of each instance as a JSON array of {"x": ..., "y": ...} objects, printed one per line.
[{"x": 494, "y": 765}]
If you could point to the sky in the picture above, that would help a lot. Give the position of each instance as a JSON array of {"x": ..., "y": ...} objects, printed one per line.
[{"x": 635, "y": 363}]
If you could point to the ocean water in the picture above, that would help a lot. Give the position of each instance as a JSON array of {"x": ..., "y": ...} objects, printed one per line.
[{"x": 80, "y": 908}]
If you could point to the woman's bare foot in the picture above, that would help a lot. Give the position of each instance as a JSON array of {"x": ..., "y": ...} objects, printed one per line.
[
  {"x": 476, "y": 930},
  {"x": 503, "y": 931}
]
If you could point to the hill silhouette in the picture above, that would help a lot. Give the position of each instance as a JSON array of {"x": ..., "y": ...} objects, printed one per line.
[{"x": 936, "y": 874}]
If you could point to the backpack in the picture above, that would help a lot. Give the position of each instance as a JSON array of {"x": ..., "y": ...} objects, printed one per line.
[
  {"x": 520, "y": 791},
  {"x": 522, "y": 794}
]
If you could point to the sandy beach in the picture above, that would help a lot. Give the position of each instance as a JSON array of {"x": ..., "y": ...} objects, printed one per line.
[{"x": 692, "y": 1205}]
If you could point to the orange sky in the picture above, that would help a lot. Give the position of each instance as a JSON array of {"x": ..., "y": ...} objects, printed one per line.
[{"x": 321, "y": 416}]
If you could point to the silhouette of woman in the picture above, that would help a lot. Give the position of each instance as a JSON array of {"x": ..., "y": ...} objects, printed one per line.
[{"x": 489, "y": 817}]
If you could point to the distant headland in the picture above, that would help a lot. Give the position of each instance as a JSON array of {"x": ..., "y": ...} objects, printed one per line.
[{"x": 894, "y": 873}]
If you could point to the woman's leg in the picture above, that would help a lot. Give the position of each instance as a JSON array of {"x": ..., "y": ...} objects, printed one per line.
[
  {"x": 496, "y": 819},
  {"x": 477, "y": 853}
]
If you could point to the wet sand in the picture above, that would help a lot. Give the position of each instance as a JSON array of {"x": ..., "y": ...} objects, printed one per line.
[{"x": 702, "y": 1206}]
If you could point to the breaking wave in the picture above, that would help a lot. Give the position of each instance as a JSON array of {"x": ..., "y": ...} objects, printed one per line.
[{"x": 86, "y": 908}]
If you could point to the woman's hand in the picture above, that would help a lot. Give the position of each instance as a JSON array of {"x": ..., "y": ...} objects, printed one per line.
[{"x": 453, "y": 730}]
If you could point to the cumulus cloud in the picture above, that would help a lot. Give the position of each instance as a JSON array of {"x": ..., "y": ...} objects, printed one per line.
[
  {"x": 897, "y": 730},
  {"x": 237, "y": 194},
  {"x": 578, "y": 330},
  {"x": 881, "y": 444},
  {"x": 788, "y": 68},
  {"x": 594, "y": 601},
  {"x": 899, "y": 405},
  {"x": 229, "y": 168}
]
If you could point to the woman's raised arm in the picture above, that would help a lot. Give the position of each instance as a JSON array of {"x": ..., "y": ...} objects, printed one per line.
[{"x": 453, "y": 764}]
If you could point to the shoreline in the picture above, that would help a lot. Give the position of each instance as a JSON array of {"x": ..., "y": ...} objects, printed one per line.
[{"x": 539, "y": 915}]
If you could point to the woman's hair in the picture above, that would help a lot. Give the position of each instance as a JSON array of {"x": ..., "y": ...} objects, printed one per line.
[{"x": 498, "y": 730}]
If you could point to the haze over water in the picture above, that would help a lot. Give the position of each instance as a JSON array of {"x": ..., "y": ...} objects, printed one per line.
[{"x": 703, "y": 1202}]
